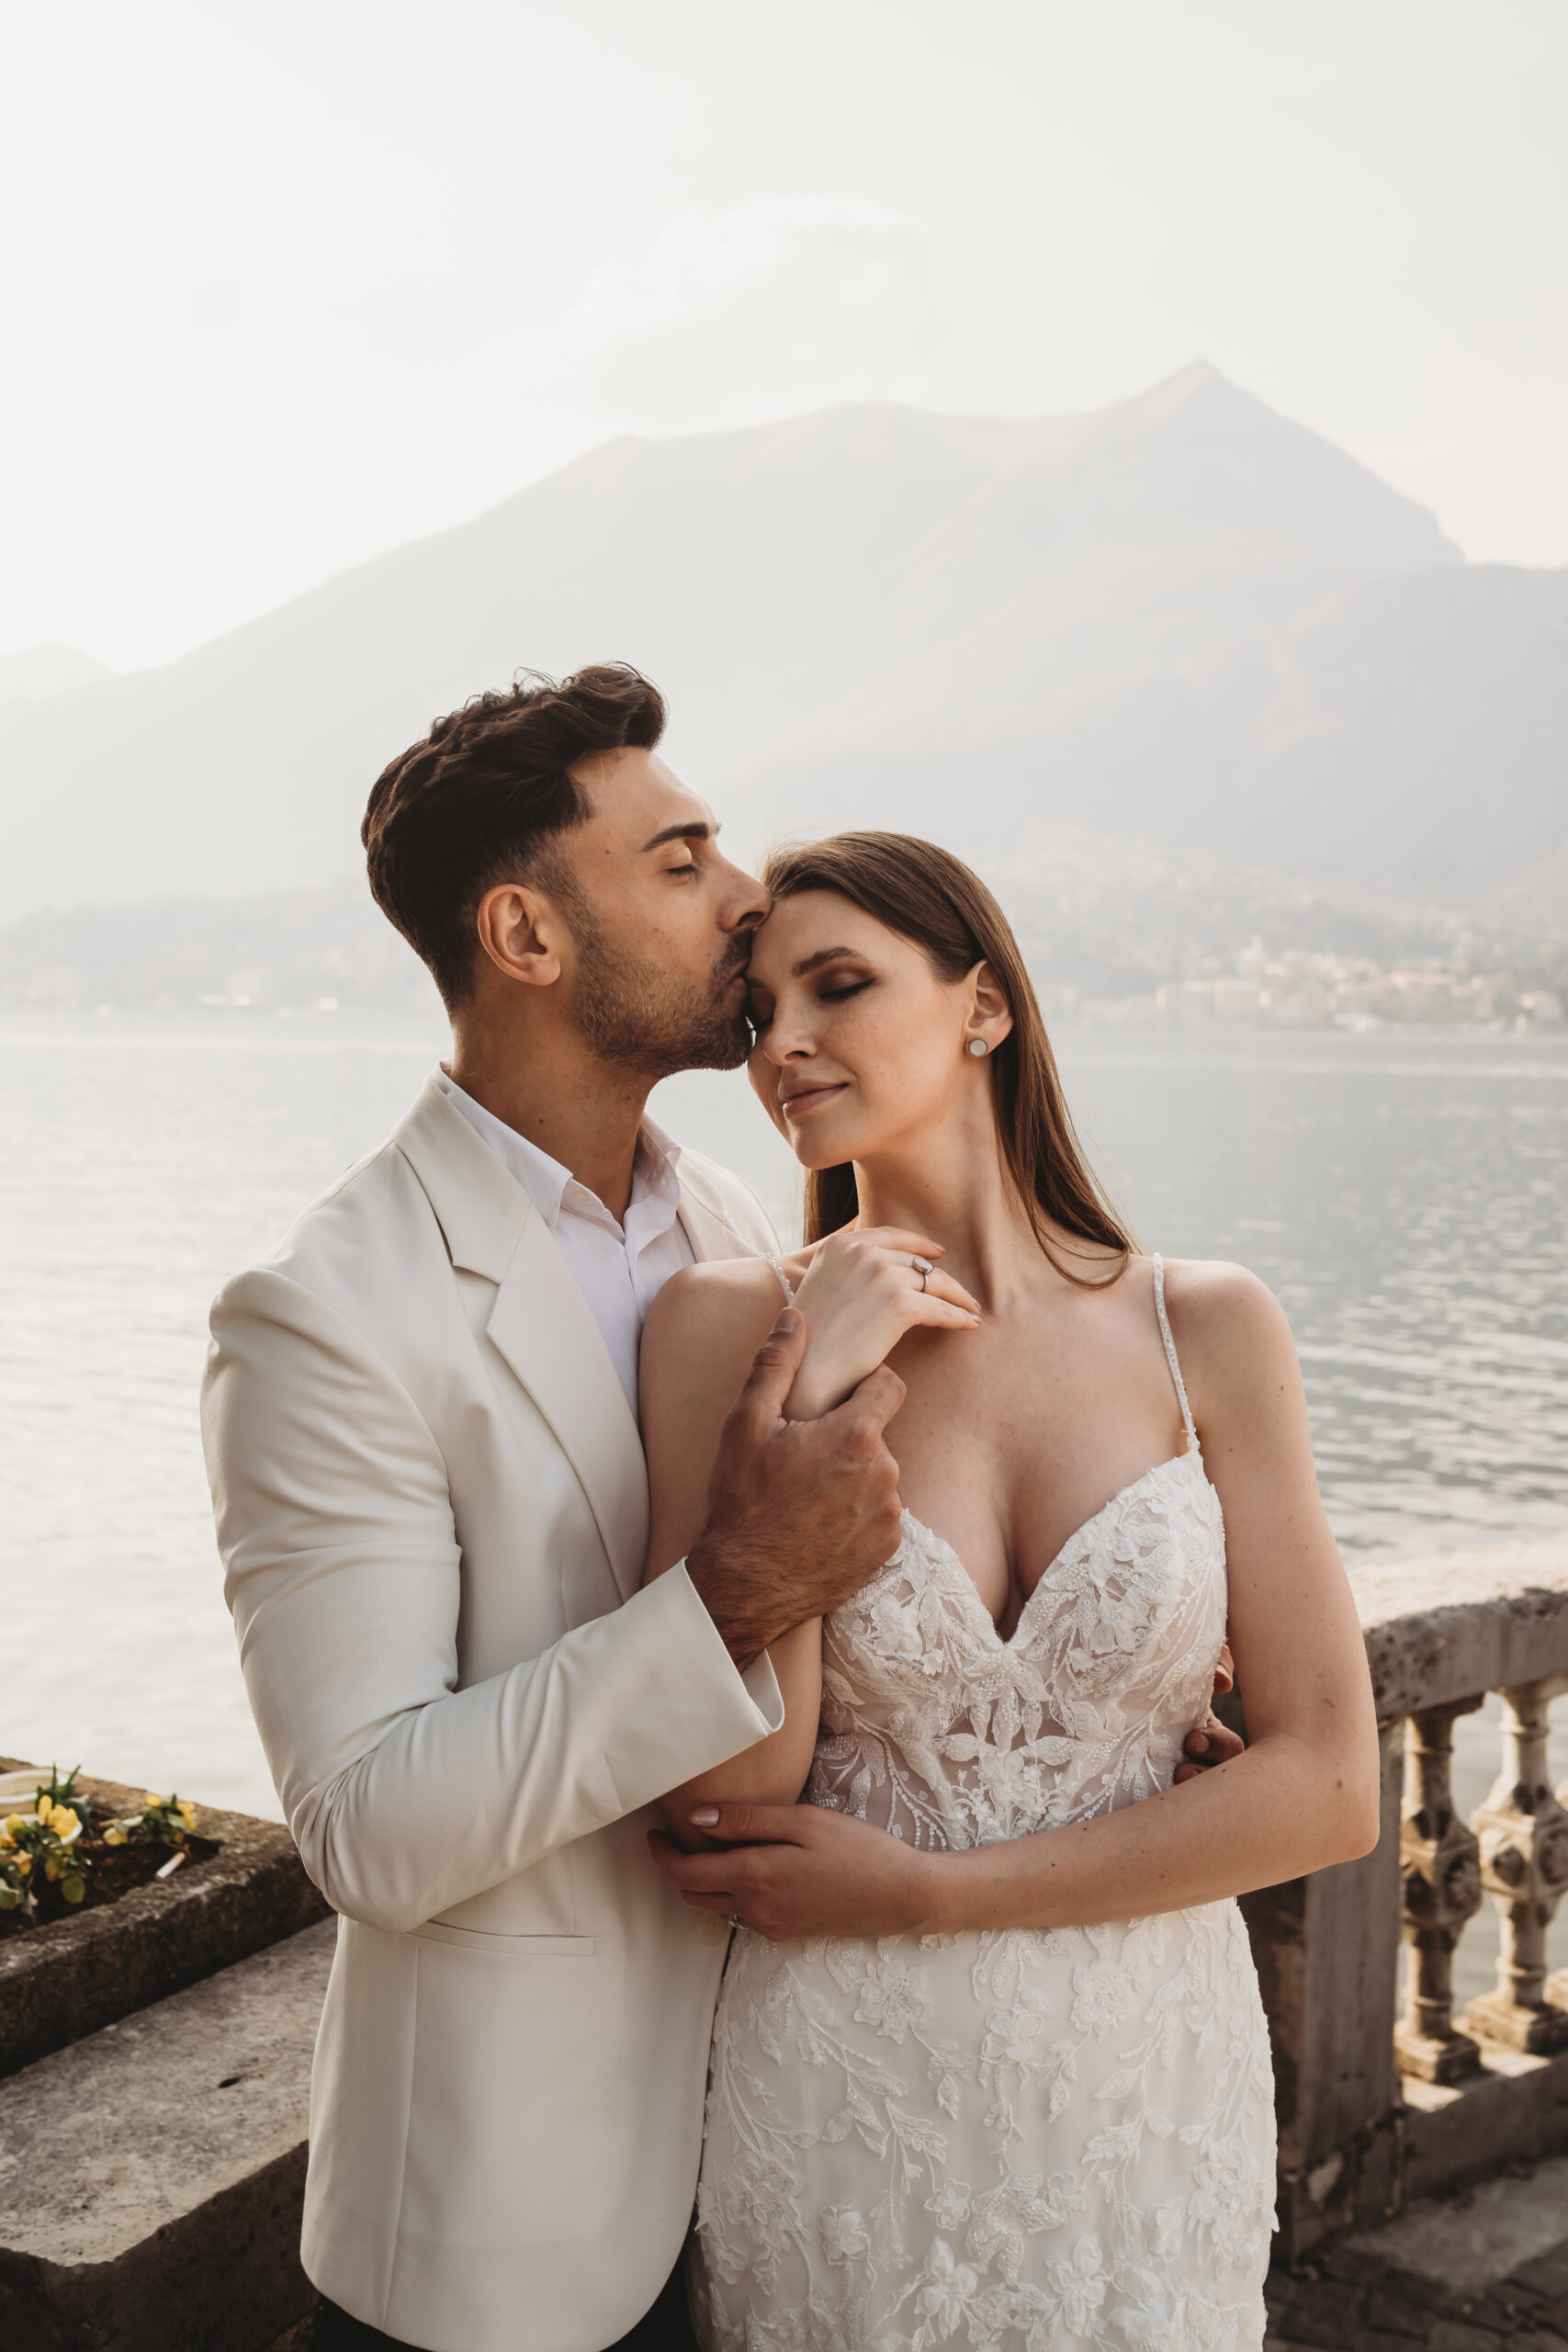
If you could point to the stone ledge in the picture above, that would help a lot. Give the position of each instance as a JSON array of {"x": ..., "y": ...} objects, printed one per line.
[
  {"x": 1476, "y": 2272},
  {"x": 72, "y": 1977},
  {"x": 1512, "y": 2112},
  {"x": 151, "y": 2193},
  {"x": 1443, "y": 1628}
]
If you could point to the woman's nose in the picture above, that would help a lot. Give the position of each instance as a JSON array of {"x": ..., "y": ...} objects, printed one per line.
[{"x": 780, "y": 1045}]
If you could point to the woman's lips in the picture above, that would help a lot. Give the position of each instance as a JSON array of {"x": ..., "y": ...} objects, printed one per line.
[{"x": 795, "y": 1106}]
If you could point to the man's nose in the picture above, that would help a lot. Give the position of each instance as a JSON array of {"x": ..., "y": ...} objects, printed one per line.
[{"x": 748, "y": 904}]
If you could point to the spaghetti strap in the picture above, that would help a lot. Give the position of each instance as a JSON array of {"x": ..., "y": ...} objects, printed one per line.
[
  {"x": 788, "y": 1287},
  {"x": 1187, "y": 1420}
]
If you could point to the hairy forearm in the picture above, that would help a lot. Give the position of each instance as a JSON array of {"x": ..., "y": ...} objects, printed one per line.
[
  {"x": 742, "y": 1591},
  {"x": 1283, "y": 1809}
]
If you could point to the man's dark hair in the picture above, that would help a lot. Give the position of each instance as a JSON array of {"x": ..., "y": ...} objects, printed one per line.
[{"x": 474, "y": 803}]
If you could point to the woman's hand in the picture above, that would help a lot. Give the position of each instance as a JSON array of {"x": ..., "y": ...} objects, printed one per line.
[{"x": 860, "y": 1294}]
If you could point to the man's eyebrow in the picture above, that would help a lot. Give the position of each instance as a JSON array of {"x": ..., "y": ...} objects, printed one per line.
[
  {"x": 823, "y": 955},
  {"x": 697, "y": 830}
]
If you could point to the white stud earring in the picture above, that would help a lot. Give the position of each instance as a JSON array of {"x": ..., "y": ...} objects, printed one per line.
[{"x": 978, "y": 1047}]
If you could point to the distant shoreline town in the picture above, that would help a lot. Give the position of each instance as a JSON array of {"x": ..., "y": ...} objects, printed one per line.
[
  {"x": 1112, "y": 944},
  {"x": 1302, "y": 989}
]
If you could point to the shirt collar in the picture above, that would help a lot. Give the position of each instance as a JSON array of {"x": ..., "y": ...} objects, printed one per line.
[{"x": 551, "y": 1187}]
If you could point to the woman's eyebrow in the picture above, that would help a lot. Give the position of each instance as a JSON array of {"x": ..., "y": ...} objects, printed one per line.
[{"x": 823, "y": 955}]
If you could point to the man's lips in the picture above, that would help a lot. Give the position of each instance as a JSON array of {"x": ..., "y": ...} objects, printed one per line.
[{"x": 808, "y": 1098}]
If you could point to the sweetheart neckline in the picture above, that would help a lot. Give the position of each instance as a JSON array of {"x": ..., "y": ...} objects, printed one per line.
[{"x": 1006, "y": 1642}]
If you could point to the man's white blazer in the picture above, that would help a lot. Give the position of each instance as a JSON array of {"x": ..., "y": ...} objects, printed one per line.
[{"x": 432, "y": 1510}]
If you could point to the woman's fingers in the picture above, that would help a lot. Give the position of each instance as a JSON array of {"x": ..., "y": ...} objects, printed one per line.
[
  {"x": 893, "y": 1238},
  {"x": 935, "y": 1314},
  {"x": 942, "y": 1303},
  {"x": 940, "y": 1285}
]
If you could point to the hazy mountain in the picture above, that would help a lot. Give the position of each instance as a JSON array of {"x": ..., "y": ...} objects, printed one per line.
[
  {"x": 1407, "y": 739},
  {"x": 1182, "y": 619},
  {"x": 46, "y": 670},
  {"x": 286, "y": 951},
  {"x": 1534, "y": 905}
]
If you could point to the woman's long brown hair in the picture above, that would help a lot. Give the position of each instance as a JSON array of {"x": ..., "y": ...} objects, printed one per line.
[{"x": 931, "y": 897}]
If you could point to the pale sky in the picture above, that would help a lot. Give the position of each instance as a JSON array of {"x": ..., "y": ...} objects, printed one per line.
[{"x": 284, "y": 287}]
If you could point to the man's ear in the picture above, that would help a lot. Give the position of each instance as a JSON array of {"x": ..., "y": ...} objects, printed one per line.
[{"x": 522, "y": 933}]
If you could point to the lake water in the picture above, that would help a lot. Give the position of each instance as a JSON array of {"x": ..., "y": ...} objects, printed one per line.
[{"x": 1403, "y": 1195}]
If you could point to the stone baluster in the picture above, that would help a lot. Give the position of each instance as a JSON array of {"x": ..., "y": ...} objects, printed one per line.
[
  {"x": 1523, "y": 1832},
  {"x": 1440, "y": 1879}
]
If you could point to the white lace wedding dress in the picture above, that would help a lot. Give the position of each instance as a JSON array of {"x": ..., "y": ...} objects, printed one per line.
[{"x": 1019, "y": 2140}]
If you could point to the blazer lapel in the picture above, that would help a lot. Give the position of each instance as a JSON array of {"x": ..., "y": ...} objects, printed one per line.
[
  {"x": 543, "y": 1325},
  {"x": 540, "y": 1323}
]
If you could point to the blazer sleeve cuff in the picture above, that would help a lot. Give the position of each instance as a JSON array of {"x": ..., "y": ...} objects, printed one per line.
[
  {"x": 762, "y": 1689},
  {"x": 755, "y": 1692}
]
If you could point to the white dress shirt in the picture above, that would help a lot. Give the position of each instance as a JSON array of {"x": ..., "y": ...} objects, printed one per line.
[{"x": 620, "y": 1269}]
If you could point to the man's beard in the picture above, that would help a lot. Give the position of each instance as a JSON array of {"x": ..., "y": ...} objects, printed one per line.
[{"x": 640, "y": 1018}]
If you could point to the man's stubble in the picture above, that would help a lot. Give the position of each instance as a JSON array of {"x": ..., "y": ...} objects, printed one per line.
[{"x": 637, "y": 1016}]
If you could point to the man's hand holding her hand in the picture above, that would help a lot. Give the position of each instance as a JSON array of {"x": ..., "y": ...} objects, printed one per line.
[{"x": 800, "y": 1513}]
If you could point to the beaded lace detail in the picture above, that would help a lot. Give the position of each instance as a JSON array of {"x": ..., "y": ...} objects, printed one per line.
[{"x": 1018, "y": 2141}]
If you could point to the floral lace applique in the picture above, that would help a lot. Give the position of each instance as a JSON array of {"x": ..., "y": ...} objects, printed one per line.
[{"x": 1018, "y": 2140}]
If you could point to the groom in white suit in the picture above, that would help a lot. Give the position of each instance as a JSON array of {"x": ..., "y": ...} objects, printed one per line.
[{"x": 420, "y": 1417}]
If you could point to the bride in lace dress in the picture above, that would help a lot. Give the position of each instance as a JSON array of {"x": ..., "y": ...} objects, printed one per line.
[{"x": 1034, "y": 2112}]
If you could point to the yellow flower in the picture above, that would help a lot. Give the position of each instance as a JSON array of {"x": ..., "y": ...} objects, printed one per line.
[
  {"x": 45, "y": 1807},
  {"x": 64, "y": 1821},
  {"x": 189, "y": 1810},
  {"x": 13, "y": 1823},
  {"x": 25, "y": 1865},
  {"x": 148, "y": 1797},
  {"x": 115, "y": 1836}
]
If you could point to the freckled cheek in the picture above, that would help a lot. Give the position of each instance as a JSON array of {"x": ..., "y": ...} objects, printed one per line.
[
  {"x": 899, "y": 1066},
  {"x": 892, "y": 1071}
]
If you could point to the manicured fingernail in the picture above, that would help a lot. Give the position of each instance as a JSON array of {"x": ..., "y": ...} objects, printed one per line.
[{"x": 704, "y": 1817}]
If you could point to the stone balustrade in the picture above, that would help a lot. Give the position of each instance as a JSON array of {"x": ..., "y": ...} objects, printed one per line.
[{"x": 1383, "y": 2095}]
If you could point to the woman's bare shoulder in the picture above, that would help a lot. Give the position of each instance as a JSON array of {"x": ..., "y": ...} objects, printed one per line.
[{"x": 1227, "y": 1324}]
